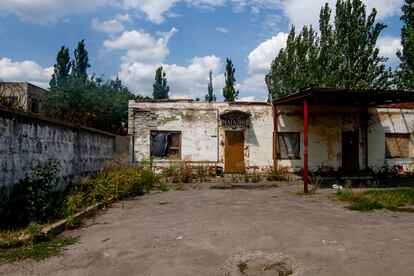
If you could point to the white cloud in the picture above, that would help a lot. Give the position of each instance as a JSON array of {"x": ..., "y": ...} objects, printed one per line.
[
  {"x": 156, "y": 11},
  {"x": 123, "y": 17},
  {"x": 141, "y": 47},
  {"x": 48, "y": 11},
  {"x": 184, "y": 81},
  {"x": 299, "y": 12},
  {"x": 305, "y": 12},
  {"x": 259, "y": 62},
  {"x": 25, "y": 71},
  {"x": 144, "y": 53},
  {"x": 108, "y": 26},
  {"x": 222, "y": 30},
  {"x": 254, "y": 85},
  {"x": 388, "y": 46},
  {"x": 259, "y": 59},
  {"x": 247, "y": 99}
]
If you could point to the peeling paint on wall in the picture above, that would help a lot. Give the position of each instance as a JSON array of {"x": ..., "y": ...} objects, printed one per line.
[{"x": 203, "y": 137}]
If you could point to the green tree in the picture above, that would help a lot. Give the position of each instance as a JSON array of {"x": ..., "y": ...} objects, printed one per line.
[
  {"x": 160, "y": 87},
  {"x": 229, "y": 92},
  {"x": 61, "y": 68},
  {"x": 210, "y": 97},
  {"x": 81, "y": 63},
  {"x": 91, "y": 102},
  {"x": 343, "y": 55},
  {"x": 405, "y": 72}
]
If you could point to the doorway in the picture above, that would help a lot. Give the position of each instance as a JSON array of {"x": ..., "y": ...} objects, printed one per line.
[
  {"x": 234, "y": 152},
  {"x": 350, "y": 151}
]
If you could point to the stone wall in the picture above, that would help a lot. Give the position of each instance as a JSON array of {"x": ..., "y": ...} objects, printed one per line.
[{"x": 26, "y": 140}]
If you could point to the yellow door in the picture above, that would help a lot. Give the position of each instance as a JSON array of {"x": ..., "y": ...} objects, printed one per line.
[{"x": 234, "y": 152}]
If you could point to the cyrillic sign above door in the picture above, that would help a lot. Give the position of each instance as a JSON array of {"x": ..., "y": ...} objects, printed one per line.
[{"x": 235, "y": 120}]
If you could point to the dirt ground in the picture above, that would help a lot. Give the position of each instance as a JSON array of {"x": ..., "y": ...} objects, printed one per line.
[{"x": 223, "y": 232}]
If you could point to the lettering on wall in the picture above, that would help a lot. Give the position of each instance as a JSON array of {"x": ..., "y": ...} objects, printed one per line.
[{"x": 235, "y": 120}]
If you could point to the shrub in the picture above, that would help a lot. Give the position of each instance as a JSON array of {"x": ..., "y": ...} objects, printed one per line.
[
  {"x": 35, "y": 231},
  {"x": 203, "y": 173},
  {"x": 186, "y": 173},
  {"x": 170, "y": 171},
  {"x": 277, "y": 175},
  {"x": 162, "y": 186},
  {"x": 255, "y": 176},
  {"x": 34, "y": 198}
]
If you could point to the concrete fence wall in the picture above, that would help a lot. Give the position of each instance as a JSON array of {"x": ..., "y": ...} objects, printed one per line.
[{"x": 26, "y": 140}]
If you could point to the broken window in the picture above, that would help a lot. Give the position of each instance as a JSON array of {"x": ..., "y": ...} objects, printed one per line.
[
  {"x": 166, "y": 144},
  {"x": 288, "y": 145},
  {"x": 11, "y": 100},
  {"x": 397, "y": 145}
]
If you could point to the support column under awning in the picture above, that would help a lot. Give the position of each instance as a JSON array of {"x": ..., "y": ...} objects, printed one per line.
[{"x": 305, "y": 144}]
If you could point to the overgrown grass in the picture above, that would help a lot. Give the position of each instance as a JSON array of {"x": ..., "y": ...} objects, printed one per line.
[
  {"x": 401, "y": 199},
  {"x": 36, "y": 250}
]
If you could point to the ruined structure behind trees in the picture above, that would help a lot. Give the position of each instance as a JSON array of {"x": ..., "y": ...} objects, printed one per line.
[{"x": 22, "y": 96}]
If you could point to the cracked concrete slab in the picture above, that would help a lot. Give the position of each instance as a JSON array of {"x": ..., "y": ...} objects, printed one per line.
[{"x": 197, "y": 232}]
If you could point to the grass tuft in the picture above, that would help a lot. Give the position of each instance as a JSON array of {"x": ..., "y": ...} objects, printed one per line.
[
  {"x": 37, "y": 251},
  {"x": 401, "y": 199}
]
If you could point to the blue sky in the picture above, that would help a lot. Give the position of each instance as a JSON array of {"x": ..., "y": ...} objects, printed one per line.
[{"x": 131, "y": 38}]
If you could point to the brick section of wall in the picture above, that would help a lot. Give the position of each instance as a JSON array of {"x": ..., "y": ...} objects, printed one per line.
[{"x": 26, "y": 140}]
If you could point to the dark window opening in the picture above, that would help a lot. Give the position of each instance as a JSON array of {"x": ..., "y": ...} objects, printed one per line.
[
  {"x": 34, "y": 106},
  {"x": 288, "y": 145},
  {"x": 397, "y": 145},
  {"x": 11, "y": 100},
  {"x": 166, "y": 144}
]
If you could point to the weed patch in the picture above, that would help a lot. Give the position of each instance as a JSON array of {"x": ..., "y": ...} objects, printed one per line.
[
  {"x": 401, "y": 199},
  {"x": 37, "y": 251}
]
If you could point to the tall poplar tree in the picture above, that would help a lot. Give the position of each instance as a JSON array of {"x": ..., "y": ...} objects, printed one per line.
[
  {"x": 61, "y": 69},
  {"x": 81, "y": 63},
  {"x": 210, "y": 97},
  {"x": 229, "y": 91},
  {"x": 160, "y": 87},
  {"x": 405, "y": 72},
  {"x": 344, "y": 55}
]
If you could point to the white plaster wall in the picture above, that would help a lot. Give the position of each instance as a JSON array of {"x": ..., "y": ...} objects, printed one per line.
[
  {"x": 198, "y": 127},
  {"x": 325, "y": 135},
  {"x": 389, "y": 120},
  {"x": 203, "y": 138}
]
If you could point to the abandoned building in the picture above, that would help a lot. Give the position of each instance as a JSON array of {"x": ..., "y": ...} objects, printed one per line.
[
  {"x": 26, "y": 96},
  {"x": 320, "y": 130},
  {"x": 233, "y": 136}
]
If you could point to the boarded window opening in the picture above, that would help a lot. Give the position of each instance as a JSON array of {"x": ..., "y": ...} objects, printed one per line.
[
  {"x": 166, "y": 144},
  {"x": 397, "y": 145},
  {"x": 288, "y": 145}
]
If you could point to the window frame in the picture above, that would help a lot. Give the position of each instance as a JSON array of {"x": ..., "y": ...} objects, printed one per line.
[
  {"x": 167, "y": 157},
  {"x": 407, "y": 135},
  {"x": 278, "y": 151}
]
